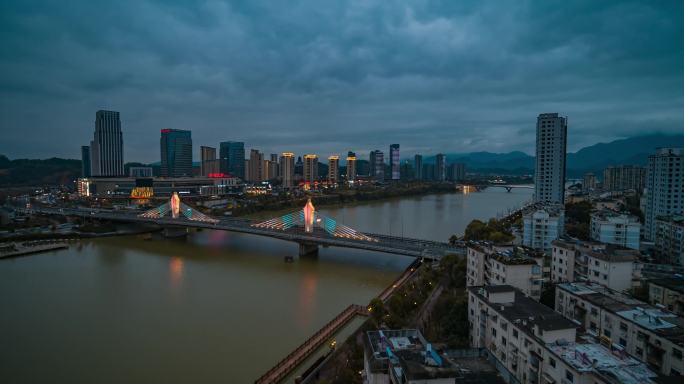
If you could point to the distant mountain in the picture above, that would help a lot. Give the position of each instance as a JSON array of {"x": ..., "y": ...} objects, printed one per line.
[
  {"x": 632, "y": 151},
  {"x": 22, "y": 172}
]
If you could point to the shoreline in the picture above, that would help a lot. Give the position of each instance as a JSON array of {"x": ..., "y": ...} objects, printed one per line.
[{"x": 269, "y": 213}]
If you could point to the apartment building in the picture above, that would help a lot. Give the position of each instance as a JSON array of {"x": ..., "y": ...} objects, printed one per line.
[
  {"x": 539, "y": 346},
  {"x": 615, "y": 228},
  {"x": 649, "y": 334},
  {"x": 607, "y": 264},
  {"x": 667, "y": 292},
  {"x": 520, "y": 267},
  {"x": 669, "y": 239},
  {"x": 542, "y": 223}
]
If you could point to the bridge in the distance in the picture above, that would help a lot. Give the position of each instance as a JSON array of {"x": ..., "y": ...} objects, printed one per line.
[
  {"x": 307, "y": 227},
  {"x": 508, "y": 187}
]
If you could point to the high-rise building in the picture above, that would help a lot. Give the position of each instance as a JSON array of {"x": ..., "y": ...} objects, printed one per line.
[
  {"x": 406, "y": 170},
  {"x": 232, "y": 155},
  {"x": 351, "y": 166},
  {"x": 333, "y": 168},
  {"x": 456, "y": 172},
  {"x": 589, "y": 182},
  {"x": 207, "y": 160},
  {"x": 418, "y": 167},
  {"x": 549, "y": 174},
  {"x": 429, "y": 172},
  {"x": 664, "y": 187},
  {"x": 106, "y": 149},
  {"x": 623, "y": 178},
  {"x": 395, "y": 162},
  {"x": 176, "y": 153},
  {"x": 85, "y": 161},
  {"x": 310, "y": 168},
  {"x": 440, "y": 167},
  {"x": 256, "y": 166},
  {"x": 287, "y": 168},
  {"x": 299, "y": 168},
  {"x": 377, "y": 165}
]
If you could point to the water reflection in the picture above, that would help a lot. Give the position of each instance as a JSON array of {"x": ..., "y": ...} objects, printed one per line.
[
  {"x": 307, "y": 298},
  {"x": 176, "y": 272}
]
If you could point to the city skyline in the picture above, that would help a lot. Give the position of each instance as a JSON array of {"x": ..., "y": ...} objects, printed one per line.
[{"x": 435, "y": 79}]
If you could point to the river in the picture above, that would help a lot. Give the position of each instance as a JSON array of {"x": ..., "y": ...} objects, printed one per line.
[{"x": 215, "y": 307}]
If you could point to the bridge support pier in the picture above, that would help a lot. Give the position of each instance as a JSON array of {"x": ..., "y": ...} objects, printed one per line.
[
  {"x": 175, "y": 232},
  {"x": 308, "y": 249}
]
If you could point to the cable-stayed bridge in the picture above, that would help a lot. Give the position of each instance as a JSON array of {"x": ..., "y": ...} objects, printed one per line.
[{"x": 307, "y": 227}]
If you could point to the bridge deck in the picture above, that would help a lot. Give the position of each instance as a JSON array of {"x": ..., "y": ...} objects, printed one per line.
[
  {"x": 291, "y": 361},
  {"x": 383, "y": 243}
]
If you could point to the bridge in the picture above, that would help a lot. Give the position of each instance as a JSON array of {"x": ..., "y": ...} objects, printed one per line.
[
  {"x": 307, "y": 227},
  {"x": 481, "y": 187}
]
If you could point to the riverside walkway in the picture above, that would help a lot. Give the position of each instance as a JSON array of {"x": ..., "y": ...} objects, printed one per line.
[{"x": 291, "y": 361}]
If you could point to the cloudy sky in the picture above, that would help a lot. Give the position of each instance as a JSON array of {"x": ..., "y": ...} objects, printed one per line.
[{"x": 332, "y": 76}]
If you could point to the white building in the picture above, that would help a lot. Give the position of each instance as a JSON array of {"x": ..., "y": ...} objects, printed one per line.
[
  {"x": 613, "y": 266},
  {"x": 542, "y": 223},
  {"x": 615, "y": 228},
  {"x": 549, "y": 173},
  {"x": 669, "y": 239},
  {"x": 540, "y": 346},
  {"x": 668, "y": 292},
  {"x": 648, "y": 334},
  {"x": 520, "y": 267},
  {"x": 664, "y": 187}
]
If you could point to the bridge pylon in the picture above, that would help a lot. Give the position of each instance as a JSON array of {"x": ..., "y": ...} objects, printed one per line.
[
  {"x": 309, "y": 218},
  {"x": 176, "y": 208}
]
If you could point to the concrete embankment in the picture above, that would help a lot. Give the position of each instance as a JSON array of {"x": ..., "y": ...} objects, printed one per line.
[{"x": 11, "y": 250}]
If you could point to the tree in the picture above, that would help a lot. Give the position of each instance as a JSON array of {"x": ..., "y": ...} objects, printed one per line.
[{"x": 377, "y": 311}]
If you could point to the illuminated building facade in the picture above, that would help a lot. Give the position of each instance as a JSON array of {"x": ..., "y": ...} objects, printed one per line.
[
  {"x": 377, "y": 165},
  {"x": 310, "y": 168},
  {"x": 255, "y": 169},
  {"x": 207, "y": 160},
  {"x": 333, "y": 168},
  {"x": 440, "y": 167},
  {"x": 287, "y": 169},
  {"x": 176, "y": 153},
  {"x": 351, "y": 166},
  {"x": 395, "y": 162},
  {"x": 232, "y": 158}
]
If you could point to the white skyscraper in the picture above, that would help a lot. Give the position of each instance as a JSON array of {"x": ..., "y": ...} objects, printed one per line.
[
  {"x": 664, "y": 187},
  {"x": 394, "y": 161},
  {"x": 549, "y": 175},
  {"x": 106, "y": 149}
]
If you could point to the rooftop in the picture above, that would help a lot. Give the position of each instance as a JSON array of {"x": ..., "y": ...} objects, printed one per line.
[
  {"x": 551, "y": 209},
  {"x": 610, "y": 215},
  {"x": 674, "y": 284},
  {"x": 663, "y": 323},
  {"x": 524, "y": 311},
  {"x": 409, "y": 354},
  {"x": 615, "y": 365},
  {"x": 614, "y": 253}
]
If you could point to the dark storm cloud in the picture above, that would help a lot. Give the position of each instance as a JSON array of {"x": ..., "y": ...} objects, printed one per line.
[{"x": 328, "y": 77}]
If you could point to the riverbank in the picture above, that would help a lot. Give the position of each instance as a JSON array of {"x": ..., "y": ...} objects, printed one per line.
[
  {"x": 28, "y": 248},
  {"x": 77, "y": 235},
  {"x": 269, "y": 207}
]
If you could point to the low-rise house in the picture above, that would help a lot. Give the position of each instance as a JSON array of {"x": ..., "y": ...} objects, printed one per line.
[
  {"x": 669, "y": 239},
  {"x": 542, "y": 223},
  {"x": 520, "y": 267},
  {"x": 611, "y": 227},
  {"x": 613, "y": 266},
  {"x": 649, "y": 334},
  {"x": 538, "y": 345},
  {"x": 668, "y": 292}
]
